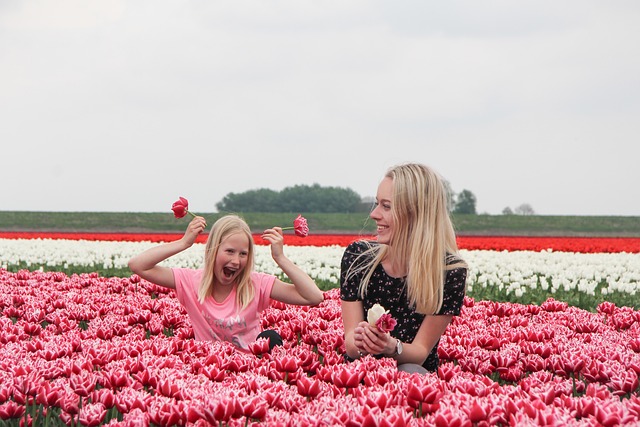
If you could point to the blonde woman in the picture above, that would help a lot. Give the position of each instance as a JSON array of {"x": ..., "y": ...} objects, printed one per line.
[
  {"x": 225, "y": 298},
  {"x": 413, "y": 270}
]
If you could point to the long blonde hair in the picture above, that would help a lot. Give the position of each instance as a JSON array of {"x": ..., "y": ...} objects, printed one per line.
[
  {"x": 223, "y": 228},
  {"x": 423, "y": 237}
]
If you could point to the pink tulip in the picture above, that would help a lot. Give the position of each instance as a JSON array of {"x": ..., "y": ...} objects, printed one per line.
[
  {"x": 451, "y": 417},
  {"x": 424, "y": 396},
  {"x": 214, "y": 373},
  {"x": 253, "y": 408},
  {"x": 308, "y": 387},
  {"x": 386, "y": 323},
  {"x": 5, "y": 392},
  {"x": 286, "y": 364},
  {"x": 300, "y": 226},
  {"x": 221, "y": 410},
  {"x": 169, "y": 414},
  {"x": 624, "y": 383},
  {"x": 48, "y": 395},
  {"x": 10, "y": 409},
  {"x": 259, "y": 346},
  {"x": 347, "y": 377},
  {"x": 82, "y": 384},
  {"x": 92, "y": 414},
  {"x": 169, "y": 388}
]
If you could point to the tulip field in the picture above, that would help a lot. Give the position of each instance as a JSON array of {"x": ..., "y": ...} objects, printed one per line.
[{"x": 549, "y": 335}]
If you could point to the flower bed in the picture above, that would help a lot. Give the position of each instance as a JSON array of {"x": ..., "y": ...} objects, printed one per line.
[
  {"x": 120, "y": 351},
  {"x": 85, "y": 349},
  {"x": 496, "y": 243}
]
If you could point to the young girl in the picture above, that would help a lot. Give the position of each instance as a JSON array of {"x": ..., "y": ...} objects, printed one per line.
[
  {"x": 413, "y": 270},
  {"x": 225, "y": 298}
]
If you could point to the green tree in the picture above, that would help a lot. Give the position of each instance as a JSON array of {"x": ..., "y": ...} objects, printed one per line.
[
  {"x": 465, "y": 203},
  {"x": 299, "y": 198},
  {"x": 260, "y": 200}
]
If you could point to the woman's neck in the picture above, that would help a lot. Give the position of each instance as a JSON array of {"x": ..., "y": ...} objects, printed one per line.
[{"x": 393, "y": 267}]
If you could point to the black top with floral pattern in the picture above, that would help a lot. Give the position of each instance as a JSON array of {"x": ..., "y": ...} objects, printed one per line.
[{"x": 391, "y": 293}]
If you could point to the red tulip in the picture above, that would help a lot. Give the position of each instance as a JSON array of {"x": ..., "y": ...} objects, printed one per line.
[
  {"x": 181, "y": 207},
  {"x": 300, "y": 226}
]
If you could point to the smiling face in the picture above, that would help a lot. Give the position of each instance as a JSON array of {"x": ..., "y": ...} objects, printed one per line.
[
  {"x": 231, "y": 259},
  {"x": 382, "y": 214}
]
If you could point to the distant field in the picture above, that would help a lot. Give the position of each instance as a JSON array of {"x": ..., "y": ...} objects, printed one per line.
[{"x": 503, "y": 225}]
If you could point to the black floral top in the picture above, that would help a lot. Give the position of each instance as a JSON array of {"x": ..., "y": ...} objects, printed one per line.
[{"x": 391, "y": 293}]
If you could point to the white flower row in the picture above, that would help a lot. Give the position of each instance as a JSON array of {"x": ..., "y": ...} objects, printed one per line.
[
  {"x": 511, "y": 272},
  {"x": 519, "y": 271}
]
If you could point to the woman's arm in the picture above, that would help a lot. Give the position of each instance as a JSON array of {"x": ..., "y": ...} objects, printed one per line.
[
  {"x": 304, "y": 290},
  {"x": 354, "y": 325},
  {"x": 146, "y": 265},
  {"x": 418, "y": 350}
]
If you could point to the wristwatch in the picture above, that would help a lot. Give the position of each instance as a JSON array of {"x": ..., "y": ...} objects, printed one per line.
[{"x": 399, "y": 348}]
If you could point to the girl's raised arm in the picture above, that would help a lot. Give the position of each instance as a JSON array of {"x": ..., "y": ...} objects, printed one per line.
[
  {"x": 304, "y": 290},
  {"x": 146, "y": 265}
]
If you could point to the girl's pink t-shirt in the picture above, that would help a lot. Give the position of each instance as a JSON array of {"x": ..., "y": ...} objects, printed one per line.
[{"x": 216, "y": 321}]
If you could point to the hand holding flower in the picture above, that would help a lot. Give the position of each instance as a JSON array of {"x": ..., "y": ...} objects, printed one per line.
[
  {"x": 300, "y": 226},
  {"x": 197, "y": 225}
]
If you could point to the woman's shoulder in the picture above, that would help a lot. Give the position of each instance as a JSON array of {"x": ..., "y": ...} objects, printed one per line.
[{"x": 360, "y": 246}]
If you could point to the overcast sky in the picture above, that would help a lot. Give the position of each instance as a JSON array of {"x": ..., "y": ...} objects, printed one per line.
[{"x": 118, "y": 105}]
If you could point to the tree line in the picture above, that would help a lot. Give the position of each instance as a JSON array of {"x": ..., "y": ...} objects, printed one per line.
[{"x": 316, "y": 198}]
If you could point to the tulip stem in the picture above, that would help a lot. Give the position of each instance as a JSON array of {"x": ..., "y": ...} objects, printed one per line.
[{"x": 191, "y": 213}]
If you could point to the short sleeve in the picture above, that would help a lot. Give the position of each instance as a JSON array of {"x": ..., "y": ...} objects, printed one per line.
[
  {"x": 350, "y": 284},
  {"x": 263, "y": 284}
]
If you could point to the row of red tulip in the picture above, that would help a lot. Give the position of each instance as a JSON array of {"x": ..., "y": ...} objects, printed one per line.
[
  {"x": 498, "y": 243},
  {"x": 98, "y": 350}
]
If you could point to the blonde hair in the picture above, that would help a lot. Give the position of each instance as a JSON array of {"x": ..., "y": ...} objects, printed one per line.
[
  {"x": 223, "y": 228},
  {"x": 423, "y": 237}
]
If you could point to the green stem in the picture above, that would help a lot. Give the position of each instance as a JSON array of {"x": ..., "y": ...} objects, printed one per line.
[{"x": 191, "y": 213}]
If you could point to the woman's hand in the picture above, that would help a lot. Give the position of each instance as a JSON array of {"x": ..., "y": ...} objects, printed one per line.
[
  {"x": 275, "y": 238},
  {"x": 374, "y": 341},
  {"x": 358, "y": 338}
]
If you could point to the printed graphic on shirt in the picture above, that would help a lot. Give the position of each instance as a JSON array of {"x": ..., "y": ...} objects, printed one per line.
[{"x": 232, "y": 329}]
